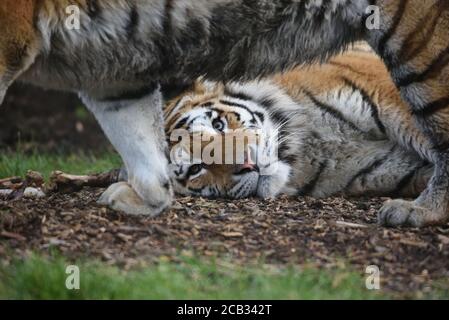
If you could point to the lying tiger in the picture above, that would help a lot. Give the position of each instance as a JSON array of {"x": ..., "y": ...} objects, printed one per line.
[{"x": 340, "y": 133}]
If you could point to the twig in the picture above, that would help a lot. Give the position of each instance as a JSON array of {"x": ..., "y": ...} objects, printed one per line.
[
  {"x": 67, "y": 183},
  {"x": 351, "y": 225},
  {"x": 13, "y": 183}
]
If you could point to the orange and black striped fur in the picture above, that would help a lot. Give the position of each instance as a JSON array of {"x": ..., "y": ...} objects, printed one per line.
[
  {"x": 341, "y": 132},
  {"x": 125, "y": 49}
]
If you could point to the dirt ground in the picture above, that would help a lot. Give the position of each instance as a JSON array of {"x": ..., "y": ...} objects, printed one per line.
[{"x": 287, "y": 231}]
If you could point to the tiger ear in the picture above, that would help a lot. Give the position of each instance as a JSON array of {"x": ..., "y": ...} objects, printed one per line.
[
  {"x": 204, "y": 87},
  {"x": 199, "y": 88}
]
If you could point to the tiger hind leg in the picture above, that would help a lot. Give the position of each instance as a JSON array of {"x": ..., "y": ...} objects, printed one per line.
[
  {"x": 431, "y": 207},
  {"x": 414, "y": 46}
]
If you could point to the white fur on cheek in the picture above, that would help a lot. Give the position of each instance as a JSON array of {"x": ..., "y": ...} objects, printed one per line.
[{"x": 273, "y": 185}]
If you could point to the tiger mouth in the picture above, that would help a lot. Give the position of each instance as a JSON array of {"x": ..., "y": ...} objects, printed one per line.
[{"x": 256, "y": 185}]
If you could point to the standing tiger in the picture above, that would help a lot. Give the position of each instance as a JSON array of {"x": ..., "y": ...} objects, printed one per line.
[
  {"x": 124, "y": 50},
  {"x": 339, "y": 130}
]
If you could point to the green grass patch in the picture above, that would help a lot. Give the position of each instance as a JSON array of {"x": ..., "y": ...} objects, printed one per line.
[
  {"x": 45, "y": 278},
  {"x": 18, "y": 163}
]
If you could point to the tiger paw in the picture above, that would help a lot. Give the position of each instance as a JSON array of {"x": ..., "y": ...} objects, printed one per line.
[
  {"x": 122, "y": 197},
  {"x": 401, "y": 213}
]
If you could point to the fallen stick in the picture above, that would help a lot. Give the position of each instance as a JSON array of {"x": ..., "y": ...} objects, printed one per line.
[
  {"x": 11, "y": 183},
  {"x": 67, "y": 183},
  {"x": 11, "y": 235},
  {"x": 351, "y": 225}
]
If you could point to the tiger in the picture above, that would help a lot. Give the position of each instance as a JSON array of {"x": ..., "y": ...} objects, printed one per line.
[
  {"x": 339, "y": 127},
  {"x": 119, "y": 55}
]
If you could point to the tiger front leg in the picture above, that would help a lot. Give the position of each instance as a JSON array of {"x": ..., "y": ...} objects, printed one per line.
[{"x": 135, "y": 128}]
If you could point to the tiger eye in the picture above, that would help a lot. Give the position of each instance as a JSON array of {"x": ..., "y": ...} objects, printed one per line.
[
  {"x": 195, "y": 169},
  {"x": 218, "y": 125}
]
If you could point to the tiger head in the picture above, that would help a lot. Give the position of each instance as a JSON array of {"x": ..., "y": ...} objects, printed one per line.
[{"x": 223, "y": 143}]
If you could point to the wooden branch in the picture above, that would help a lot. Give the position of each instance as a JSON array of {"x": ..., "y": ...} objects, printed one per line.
[
  {"x": 11, "y": 183},
  {"x": 67, "y": 183}
]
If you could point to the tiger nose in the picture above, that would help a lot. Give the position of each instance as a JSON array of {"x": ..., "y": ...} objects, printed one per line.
[{"x": 247, "y": 167}]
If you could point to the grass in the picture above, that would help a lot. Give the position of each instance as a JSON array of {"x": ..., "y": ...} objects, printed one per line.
[
  {"x": 45, "y": 278},
  {"x": 18, "y": 163}
]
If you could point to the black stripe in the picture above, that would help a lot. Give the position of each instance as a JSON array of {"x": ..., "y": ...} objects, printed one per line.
[
  {"x": 167, "y": 23},
  {"x": 182, "y": 181},
  {"x": 267, "y": 103},
  {"x": 167, "y": 185},
  {"x": 133, "y": 22},
  {"x": 441, "y": 146},
  {"x": 434, "y": 69},
  {"x": 197, "y": 191},
  {"x": 319, "y": 17},
  {"x": 181, "y": 123},
  {"x": 432, "y": 108},
  {"x": 93, "y": 9},
  {"x": 290, "y": 159},
  {"x": 332, "y": 111},
  {"x": 260, "y": 115},
  {"x": 133, "y": 94},
  {"x": 209, "y": 114},
  {"x": 405, "y": 181},
  {"x": 374, "y": 108},
  {"x": 309, "y": 187},
  {"x": 174, "y": 107},
  {"x": 239, "y": 191},
  {"x": 424, "y": 30},
  {"x": 174, "y": 89},
  {"x": 207, "y": 105},
  {"x": 369, "y": 169},
  {"x": 235, "y": 104},
  {"x": 237, "y": 95},
  {"x": 394, "y": 26},
  {"x": 279, "y": 118}
]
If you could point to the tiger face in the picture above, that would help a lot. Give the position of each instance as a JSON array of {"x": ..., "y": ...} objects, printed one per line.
[{"x": 223, "y": 145}]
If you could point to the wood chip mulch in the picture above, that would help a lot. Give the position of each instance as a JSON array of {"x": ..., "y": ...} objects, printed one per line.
[{"x": 287, "y": 231}]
